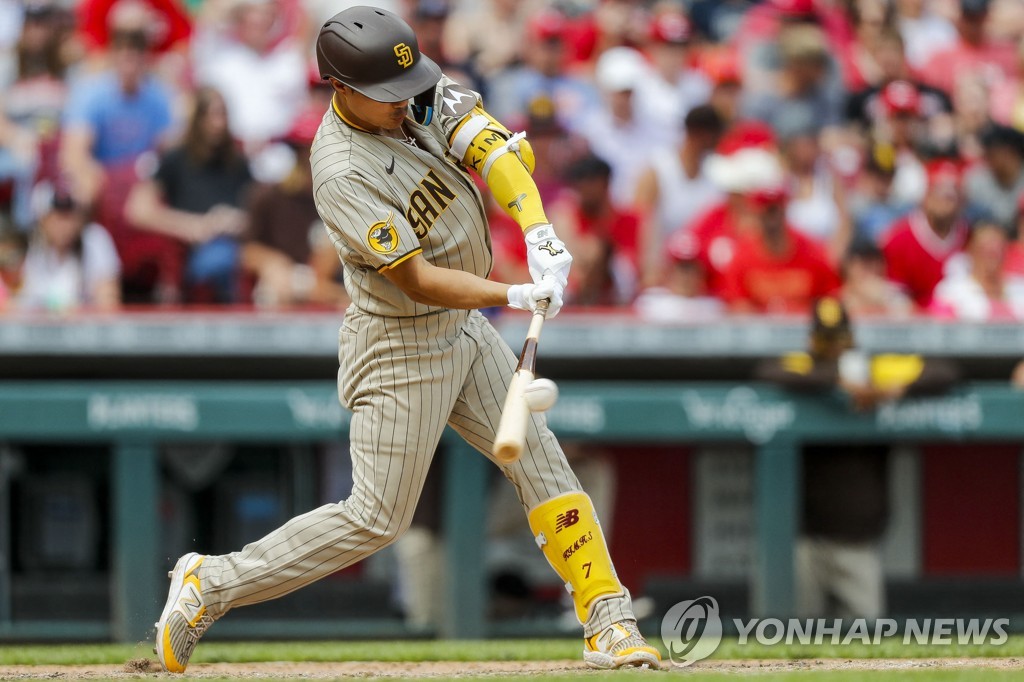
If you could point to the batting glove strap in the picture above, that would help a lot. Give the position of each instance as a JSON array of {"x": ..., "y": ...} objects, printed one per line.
[{"x": 546, "y": 254}]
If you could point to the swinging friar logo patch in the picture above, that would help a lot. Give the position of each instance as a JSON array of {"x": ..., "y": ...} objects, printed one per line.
[{"x": 382, "y": 236}]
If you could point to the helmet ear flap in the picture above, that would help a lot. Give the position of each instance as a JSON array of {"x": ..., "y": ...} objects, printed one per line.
[{"x": 422, "y": 106}]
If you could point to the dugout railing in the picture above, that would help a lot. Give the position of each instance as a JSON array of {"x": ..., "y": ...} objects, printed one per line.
[{"x": 135, "y": 418}]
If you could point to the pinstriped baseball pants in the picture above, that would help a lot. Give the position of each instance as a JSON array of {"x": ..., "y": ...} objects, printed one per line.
[{"x": 403, "y": 379}]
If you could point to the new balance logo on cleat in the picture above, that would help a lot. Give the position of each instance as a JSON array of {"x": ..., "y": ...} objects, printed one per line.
[
  {"x": 620, "y": 645},
  {"x": 184, "y": 619},
  {"x": 191, "y": 603}
]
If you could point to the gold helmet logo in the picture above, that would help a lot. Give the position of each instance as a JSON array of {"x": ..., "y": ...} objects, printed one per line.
[{"x": 404, "y": 54}]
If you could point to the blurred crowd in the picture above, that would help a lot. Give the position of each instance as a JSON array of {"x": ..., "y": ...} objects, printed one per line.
[{"x": 699, "y": 157}]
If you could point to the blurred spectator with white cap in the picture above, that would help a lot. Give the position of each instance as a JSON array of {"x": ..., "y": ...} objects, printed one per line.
[
  {"x": 917, "y": 246},
  {"x": 675, "y": 188},
  {"x": 617, "y": 132},
  {"x": 681, "y": 296},
  {"x": 71, "y": 262},
  {"x": 745, "y": 160},
  {"x": 674, "y": 86}
]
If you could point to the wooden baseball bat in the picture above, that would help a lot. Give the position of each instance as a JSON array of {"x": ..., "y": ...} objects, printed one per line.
[{"x": 510, "y": 438}]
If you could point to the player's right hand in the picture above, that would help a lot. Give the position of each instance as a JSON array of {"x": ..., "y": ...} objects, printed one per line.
[
  {"x": 526, "y": 296},
  {"x": 546, "y": 255}
]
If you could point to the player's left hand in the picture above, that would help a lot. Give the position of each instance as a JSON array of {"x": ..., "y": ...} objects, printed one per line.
[{"x": 546, "y": 255}]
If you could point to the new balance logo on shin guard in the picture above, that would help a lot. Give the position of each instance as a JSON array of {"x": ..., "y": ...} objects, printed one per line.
[{"x": 569, "y": 518}]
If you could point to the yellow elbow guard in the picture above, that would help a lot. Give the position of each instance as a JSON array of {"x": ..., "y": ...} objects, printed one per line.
[
  {"x": 568, "y": 533},
  {"x": 504, "y": 161}
]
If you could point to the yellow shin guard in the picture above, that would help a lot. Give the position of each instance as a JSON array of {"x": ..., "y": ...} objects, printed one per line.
[{"x": 568, "y": 533}]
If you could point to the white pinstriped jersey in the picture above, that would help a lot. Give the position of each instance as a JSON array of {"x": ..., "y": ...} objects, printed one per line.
[{"x": 384, "y": 200}]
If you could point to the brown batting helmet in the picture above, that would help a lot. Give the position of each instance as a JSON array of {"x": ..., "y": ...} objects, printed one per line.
[{"x": 375, "y": 53}]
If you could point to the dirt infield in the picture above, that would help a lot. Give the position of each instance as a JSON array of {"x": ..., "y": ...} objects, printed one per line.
[{"x": 146, "y": 668}]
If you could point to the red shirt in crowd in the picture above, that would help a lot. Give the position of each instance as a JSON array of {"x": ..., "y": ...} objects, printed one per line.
[
  {"x": 621, "y": 228},
  {"x": 992, "y": 62},
  {"x": 170, "y": 23},
  {"x": 915, "y": 255},
  {"x": 785, "y": 283},
  {"x": 613, "y": 237},
  {"x": 716, "y": 231}
]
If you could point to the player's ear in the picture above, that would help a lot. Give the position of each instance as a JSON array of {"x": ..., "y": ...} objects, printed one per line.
[{"x": 338, "y": 85}]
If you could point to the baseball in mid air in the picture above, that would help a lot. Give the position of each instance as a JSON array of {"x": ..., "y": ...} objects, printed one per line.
[{"x": 540, "y": 394}]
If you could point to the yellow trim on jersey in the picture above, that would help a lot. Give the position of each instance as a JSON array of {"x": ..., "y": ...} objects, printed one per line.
[
  {"x": 400, "y": 260},
  {"x": 337, "y": 110}
]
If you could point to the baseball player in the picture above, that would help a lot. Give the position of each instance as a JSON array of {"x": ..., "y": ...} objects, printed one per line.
[{"x": 391, "y": 165}]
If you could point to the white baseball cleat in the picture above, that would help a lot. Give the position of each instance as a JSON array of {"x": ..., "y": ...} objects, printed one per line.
[
  {"x": 620, "y": 644},
  {"x": 184, "y": 619}
]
